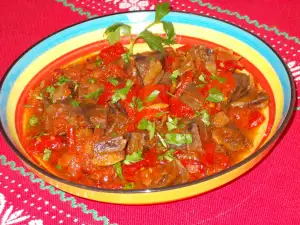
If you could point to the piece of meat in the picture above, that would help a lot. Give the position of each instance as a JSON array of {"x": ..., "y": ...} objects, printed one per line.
[
  {"x": 220, "y": 119},
  {"x": 61, "y": 92},
  {"x": 97, "y": 114},
  {"x": 242, "y": 88},
  {"x": 192, "y": 98},
  {"x": 196, "y": 145},
  {"x": 116, "y": 120},
  {"x": 149, "y": 65},
  {"x": 108, "y": 152},
  {"x": 231, "y": 138},
  {"x": 205, "y": 56},
  {"x": 204, "y": 131},
  {"x": 255, "y": 99},
  {"x": 182, "y": 173},
  {"x": 136, "y": 142}
]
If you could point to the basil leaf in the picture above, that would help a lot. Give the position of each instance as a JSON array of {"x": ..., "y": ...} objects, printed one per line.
[
  {"x": 145, "y": 124},
  {"x": 33, "y": 121},
  {"x": 215, "y": 95},
  {"x": 113, "y": 33},
  {"x": 113, "y": 81},
  {"x": 119, "y": 171},
  {"x": 172, "y": 123},
  {"x": 139, "y": 104},
  {"x": 220, "y": 79},
  {"x": 130, "y": 185},
  {"x": 168, "y": 155},
  {"x": 202, "y": 78},
  {"x": 122, "y": 93},
  {"x": 174, "y": 75},
  {"x": 133, "y": 158},
  {"x": 75, "y": 103},
  {"x": 62, "y": 80},
  {"x": 91, "y": 80},
  {"x": 94, "y": 95},
  {"x": 170, "y": 31},
  {"x": 178, "y": 139},
  {"x": 162, "y": 140},
  {"x": 154, "y": 42},
  {"x": 126, "y": 57},
  {"x": 161, "y": 10},
  {"x": 205, "y": 117},
  {"x": 114, "y": 37},
  {"x": 113, "y": 28},
  {"x": 47, "y": 154},
  {"x": 152, "y": 96}
]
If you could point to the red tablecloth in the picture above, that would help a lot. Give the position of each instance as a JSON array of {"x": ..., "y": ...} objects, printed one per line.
[{"x": 269, "y": 194}]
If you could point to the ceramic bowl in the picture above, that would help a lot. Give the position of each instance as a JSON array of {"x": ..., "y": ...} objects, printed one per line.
[{"x": 87, "y": 37}]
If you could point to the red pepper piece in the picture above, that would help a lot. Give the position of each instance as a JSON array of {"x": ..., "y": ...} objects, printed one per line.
[
  {"x": 184, "y": 48},
  {"x": 179, "y": 109},
  {"x": 112, "y": 53},
  {"x": 255, "y": 119},
  {"x": 168, "y": 63},
  {"x": 186, "y": 79},
  {"x": 47, "y": 141}
]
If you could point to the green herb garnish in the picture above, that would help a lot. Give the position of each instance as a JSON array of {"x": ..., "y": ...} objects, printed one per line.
[
  {"x": 47, "y": 154},
  {"x": 130, "y": 185},
  {"x": 162, "y": 140},
  {"x": 172, "y": 123},
  {"x": 62, "y": 80},
  {"x": 33, "y": 121},
  {"x": 75, "y": 103},
  {"x": 139, "y": 104},
  {"x": 94, "y": 95},
  {"x": 134, "y": 157},
  {"x": 215, "y": 95},
  {"x": 152, "y": 96},
  {"x": 174, "y": 75},
  {"x": 91, "y": 80},
  {"x": 220, "y": 79},
  {"x": 126, "y": 57},
  {"x": 113, "y": 81},
  {"x": 58, "y": 167},
  {"x": 160, "y": 114},
  {"x": 178, "y": 139},
  {"x": 145, "y": 124},
  {"x": 98, "y": 62},
  {"x": 205, "y": 117},
  {"x": 40, "y": 96},
  {"x": 202, "y": 78},
  {"x": 133, "y": 102},
  {"x": 50, "y": 90},
  {"x": 118, "y": 168},
  {"x": 168, "y": 155},
  {"x": 122, "y": 93}
]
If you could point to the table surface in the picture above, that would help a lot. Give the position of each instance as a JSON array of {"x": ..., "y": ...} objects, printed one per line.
[{"x": 268, "y": 194}]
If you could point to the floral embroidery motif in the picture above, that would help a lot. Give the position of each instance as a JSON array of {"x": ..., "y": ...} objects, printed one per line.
[
  {"x": 8, "y": 217},
  {"x": 132, "y": 4}
]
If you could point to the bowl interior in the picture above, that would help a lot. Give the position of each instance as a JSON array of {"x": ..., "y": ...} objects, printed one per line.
[{"x": 87, "y": 37}]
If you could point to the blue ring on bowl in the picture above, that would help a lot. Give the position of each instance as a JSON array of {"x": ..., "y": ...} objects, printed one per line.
[{"x": 62, "y": 35}]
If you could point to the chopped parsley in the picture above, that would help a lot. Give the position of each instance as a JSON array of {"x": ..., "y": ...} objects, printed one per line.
[
  {"x": 172, "y": 123},
  {"x": 113, "y": 81},
  {"x": 205, "y": 117},
  {"x": 132, "y": 103},
  {"x": 98, "y": 62},
  {"x": 91, "y": 80},
  {"x": 130, "y": 185},
  {"x": 178, "y": 139},
  {"x": 202, "y": 78},
  {"x": 220, "y": 79},
  {"x": 122, "y": 93},
  {"x": 139, "y": 104},
  {"x": 145, "y": 124},
  {"x": 119, "y": 171},
  {"x": 58, "y": 167},
  {"x": 50, "y": 90},
  {"x": 168, "y": 155},
  {"x": 162, "y": 140},
  {"x": 134, "y": 157},
  {"x": 62, "y": 80},
  {"x": 94, "y": 95},
  {"x": 47, "y": 154},
  {"x": 75, "y": 103},
  {"x": 33, "y": 121},
  {"x": 152, "y": 96},
  {"x": 174, "y": 75},
  {"x": 215, "y": 95},
  {"x": 126, "y": 57}
]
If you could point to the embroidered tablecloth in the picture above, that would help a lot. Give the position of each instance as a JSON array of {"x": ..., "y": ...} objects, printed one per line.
[{"x": 269, "y": 194}]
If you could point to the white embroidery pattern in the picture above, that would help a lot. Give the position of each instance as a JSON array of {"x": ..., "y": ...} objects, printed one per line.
[
  {"x": 8, "y": 217},
  {"x": 133, "y": 4}
]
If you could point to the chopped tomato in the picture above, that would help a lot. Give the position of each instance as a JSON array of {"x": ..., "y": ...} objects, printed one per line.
[
  {"x": 255, "y": 119},
  {"x": 112, "y": 53},
  {"x": 186, "y": 79},
  {"x": 47, "y": 141},
  {"x": 179, "y": 109}
]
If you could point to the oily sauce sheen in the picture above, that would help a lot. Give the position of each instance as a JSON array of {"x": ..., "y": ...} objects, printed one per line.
[{"x": 151, "y": 120}]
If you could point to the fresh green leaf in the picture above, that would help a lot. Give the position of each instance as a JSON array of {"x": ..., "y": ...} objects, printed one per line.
[
  {"x": 172, "y": 123},
  {"x": 75, "y": 103},
  {"x": 113, "y": 33},
  {"x": 215, "y": 95},
  {"x": 205, "y": 117},
  {"x": 220, "y": 79},
  {"x": 168, "y": 155},
  {"x": 47, "y": 154},
  {"x": 170, "y": 31},
  {"x": 98, "y": 62},
  {"x": 162, "y": 140},
  {"x": 126, "y": 57},
  {"x": 33, "y": 121},
  {"x": 122, "y": 93},
  {"x": 134, "y": 157},
  {"x": 145, "y": 124},
  {"x": 58, "y": 167},
  {"x": 130, "y": 185},
  {"x": 40, "y": 96},
  {"x": 132, "y": 103},
  {"x": 113, "y": 81},
  {"x": 202, "y": 78},
  {"x": 62, "y": 80},
  {"x": 114, "y": 37},
  {"x": 113, "y": 28},
  {"x": 91, "y": 80},
  {"x": 181, "y": 125},
  {"x": 174, "y": 75},
  {"x": 154, "y": 41},
  {"x": 94, "y": 95},
  {"x": 139, "y": 104},
  {"x": 178, "y": 139},
  {"x": 152, "y": 96},
  {"x": 162, "y": 9},
  {"x": 118, "y": 168},
  {"x": 50, "y": 90}
]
